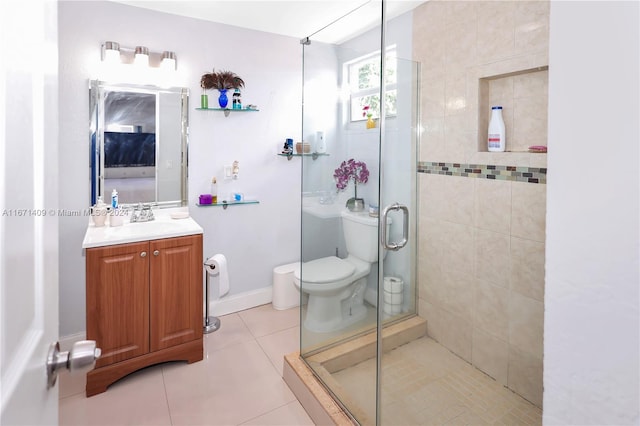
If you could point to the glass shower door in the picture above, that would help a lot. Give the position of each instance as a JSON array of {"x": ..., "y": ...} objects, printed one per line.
[
  {"x": 341, "y": 88},
  {"x": 397, "y": 292}
]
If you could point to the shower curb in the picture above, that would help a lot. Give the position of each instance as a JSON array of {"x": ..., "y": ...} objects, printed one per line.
[
  {"x": 317, "y": 400},
  {"x": 314, "y": 398}
]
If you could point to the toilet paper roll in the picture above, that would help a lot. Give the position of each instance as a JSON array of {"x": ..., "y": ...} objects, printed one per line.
[
  {"x": 393, "y": 298},
  {"x": 217, "y": 265},
  {"x": 392, "y": 309},
  {"x": 393, "y": 284}
]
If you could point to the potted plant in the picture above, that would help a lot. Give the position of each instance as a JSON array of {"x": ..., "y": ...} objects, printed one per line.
[
  {"x": 356, "y": 170},
  {"x": 221, "y": 81},
  {"x": 366, "y": 112}
]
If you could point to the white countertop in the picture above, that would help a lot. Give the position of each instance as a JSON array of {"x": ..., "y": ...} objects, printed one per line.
[{"x": 163, "y": 226}]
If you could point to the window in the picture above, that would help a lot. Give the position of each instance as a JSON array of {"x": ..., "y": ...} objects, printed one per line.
[{"x": 363, "y": 78}]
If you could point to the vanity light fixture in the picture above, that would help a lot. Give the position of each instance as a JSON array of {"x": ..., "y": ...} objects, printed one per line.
[
  {"x": 168, "y": 60},
  {"x": 141, "y": 58},
  {"x": 113, "y": 53}
]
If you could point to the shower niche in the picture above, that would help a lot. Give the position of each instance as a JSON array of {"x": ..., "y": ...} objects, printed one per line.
[{"x": 523, "y": 95}]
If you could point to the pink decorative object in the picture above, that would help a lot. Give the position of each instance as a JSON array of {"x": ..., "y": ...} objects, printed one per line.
[
  {"x": 350, "y": 169},
  {"x": 356, "y": 170}
]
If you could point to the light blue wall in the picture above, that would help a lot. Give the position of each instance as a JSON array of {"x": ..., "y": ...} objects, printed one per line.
[{"x": 253, "y": 238}]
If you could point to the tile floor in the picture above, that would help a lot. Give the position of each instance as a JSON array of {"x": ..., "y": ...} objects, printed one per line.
[
  {"x": 426, "y": 384},
  {"x": 239, "y": 382}
]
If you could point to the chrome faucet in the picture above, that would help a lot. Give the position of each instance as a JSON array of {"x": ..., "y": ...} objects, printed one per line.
[{"x": 142, "y": 213}]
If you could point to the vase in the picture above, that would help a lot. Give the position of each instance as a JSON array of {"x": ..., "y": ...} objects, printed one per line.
[
  {"x": 223, "y": 100},
  {"x": 355, "y": 204},
  {"x": 371, "y": 124},
  {"x": 204, "y": 101}
]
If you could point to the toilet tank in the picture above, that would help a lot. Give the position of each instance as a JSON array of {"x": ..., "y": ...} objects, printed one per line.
[{"x": 361, "y": 235}]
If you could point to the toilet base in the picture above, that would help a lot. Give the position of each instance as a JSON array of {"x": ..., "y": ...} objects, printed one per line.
[{"x": 351, "y": 314}]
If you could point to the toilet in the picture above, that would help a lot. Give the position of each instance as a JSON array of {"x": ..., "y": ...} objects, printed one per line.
[{"x": 336, "y": 286}]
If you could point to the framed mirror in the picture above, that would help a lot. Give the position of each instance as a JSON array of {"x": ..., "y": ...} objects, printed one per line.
[{"x": 138, "y": 143}]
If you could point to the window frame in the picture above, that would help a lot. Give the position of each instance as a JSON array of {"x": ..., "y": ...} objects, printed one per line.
[{"x": 351, "y": 69}]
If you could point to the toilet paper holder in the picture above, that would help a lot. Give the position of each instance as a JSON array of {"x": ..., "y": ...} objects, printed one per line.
[{"x": 211, "y": 323}]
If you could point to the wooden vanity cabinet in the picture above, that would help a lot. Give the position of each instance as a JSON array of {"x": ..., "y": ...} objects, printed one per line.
[{"x": 144, "y": 306}]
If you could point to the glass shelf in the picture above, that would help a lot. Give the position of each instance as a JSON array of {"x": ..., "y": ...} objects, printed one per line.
[
  {"x": 228, "y": 110},
  {"x": 313, "y": 155},
  {"x": 226, "y": 204}
]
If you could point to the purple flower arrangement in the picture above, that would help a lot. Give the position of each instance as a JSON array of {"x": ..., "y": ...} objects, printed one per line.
[{"x": 350, "y": 169}]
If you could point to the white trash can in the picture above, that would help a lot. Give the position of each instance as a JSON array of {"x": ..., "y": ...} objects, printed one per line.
[{"x": 285, "y": 293}]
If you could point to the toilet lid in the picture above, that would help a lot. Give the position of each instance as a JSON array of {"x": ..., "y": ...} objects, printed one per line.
[{"x": 327, "y": 269}]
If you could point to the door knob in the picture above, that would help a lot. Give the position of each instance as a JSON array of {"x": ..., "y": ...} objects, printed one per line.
[
  {"x": 156, "y": 252},
  {"x": 81, "y": 357},
  {"x": 143, "y": 254}
]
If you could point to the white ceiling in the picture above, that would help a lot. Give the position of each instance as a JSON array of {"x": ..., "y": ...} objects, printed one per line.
[{"x": 295, "y": 18}]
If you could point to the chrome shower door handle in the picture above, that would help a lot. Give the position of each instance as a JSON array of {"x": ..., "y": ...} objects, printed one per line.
[{"x": 405, "y": 227}]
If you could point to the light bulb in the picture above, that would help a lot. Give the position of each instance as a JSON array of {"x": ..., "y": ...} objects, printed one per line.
[
  {"x": 111, "y": 52},
  {"x": 168, "y": 60},
  {"x": 141, "y": 56}
]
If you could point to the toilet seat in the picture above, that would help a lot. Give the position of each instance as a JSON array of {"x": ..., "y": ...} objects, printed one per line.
[{"x": 326, "y": 269}]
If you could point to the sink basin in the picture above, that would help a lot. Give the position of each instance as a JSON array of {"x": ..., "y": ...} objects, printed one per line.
[{"x": 163, "y": 226}]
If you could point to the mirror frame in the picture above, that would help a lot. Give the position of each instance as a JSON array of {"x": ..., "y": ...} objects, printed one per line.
[{"x": 97, "y": 127}]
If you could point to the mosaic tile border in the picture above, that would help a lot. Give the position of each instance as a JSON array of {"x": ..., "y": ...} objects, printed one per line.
[{"x": 484, "y": 171}]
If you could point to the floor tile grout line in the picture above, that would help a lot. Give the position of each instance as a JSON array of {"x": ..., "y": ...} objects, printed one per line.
[
  {"x": 69, "y": 396},
  {"x": 166, "y": 395},
  {"x": 267, "y": 412},
  {"x": 246, "y": 325},
  {"x": 275, "y": 332},
  {"x": 255, "y": 339},
  {"x": 269, "y": 358}
]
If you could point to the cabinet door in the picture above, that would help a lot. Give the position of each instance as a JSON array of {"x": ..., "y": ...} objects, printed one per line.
[
  {"x": 118, "y": 301},
  {"x": 176, "y": 274}
]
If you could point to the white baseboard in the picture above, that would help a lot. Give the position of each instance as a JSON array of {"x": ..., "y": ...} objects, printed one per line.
[
  {"x": 66, "y": 342},
  {"x": 241, "y": 301},
  {"x": 226, "y": 305}
]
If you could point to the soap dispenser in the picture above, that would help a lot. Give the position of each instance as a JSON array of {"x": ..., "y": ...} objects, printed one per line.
[{"x": 99, "y": 212}]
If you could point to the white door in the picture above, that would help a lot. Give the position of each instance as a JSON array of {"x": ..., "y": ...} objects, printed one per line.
[{"x": 28, "y": 209}]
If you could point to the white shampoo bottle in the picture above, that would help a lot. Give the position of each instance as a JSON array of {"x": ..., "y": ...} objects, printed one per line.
[{"x": 497, "y": 141}]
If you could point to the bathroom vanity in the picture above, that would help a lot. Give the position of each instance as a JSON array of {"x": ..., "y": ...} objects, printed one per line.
[{"x": 143, "y": 295}]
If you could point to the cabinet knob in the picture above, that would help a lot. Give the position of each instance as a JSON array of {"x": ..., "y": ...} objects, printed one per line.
[
  {"x": 143, "y": 254},
  {"x": 156, "y": 252}
]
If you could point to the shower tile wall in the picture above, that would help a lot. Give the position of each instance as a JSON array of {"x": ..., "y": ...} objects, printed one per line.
[{"x": 481, "y": 248}]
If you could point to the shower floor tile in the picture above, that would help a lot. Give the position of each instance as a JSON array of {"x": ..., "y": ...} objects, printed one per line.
[{"x": 424, "y": 383}]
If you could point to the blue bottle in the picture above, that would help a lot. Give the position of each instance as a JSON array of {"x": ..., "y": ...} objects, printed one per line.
[{"x": 114, "y": 199}]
